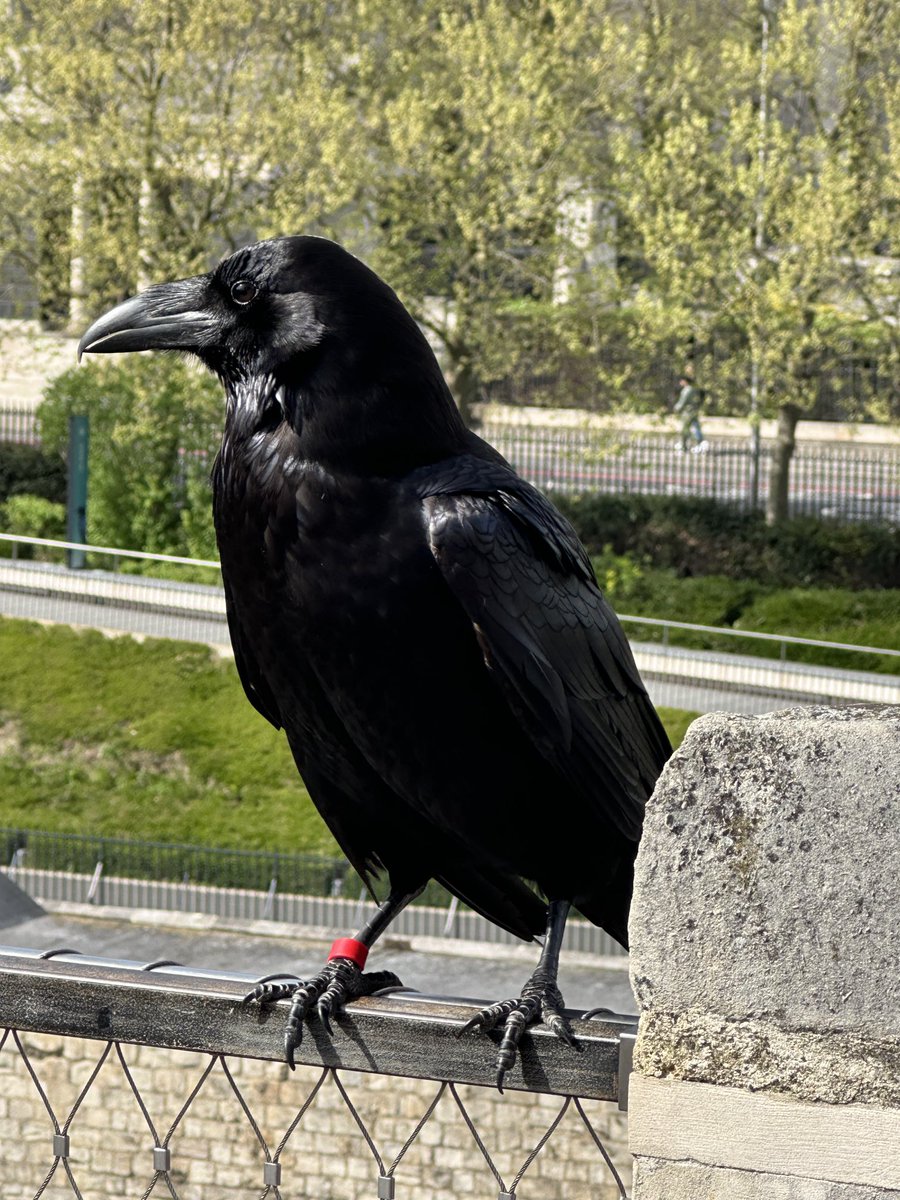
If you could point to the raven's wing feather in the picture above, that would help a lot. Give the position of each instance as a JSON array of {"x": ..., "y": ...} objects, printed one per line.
[
  {"x": 254, "y": 682},
  {"x": 547, "y": 635}
]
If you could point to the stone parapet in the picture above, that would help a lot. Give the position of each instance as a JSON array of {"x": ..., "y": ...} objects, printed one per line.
[{"x": 766, "y": 961}]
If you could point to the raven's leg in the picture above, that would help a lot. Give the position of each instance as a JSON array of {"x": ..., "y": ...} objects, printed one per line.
[
  {"x": 540, "y": 998},
  {"x": 339, "y": 981}
]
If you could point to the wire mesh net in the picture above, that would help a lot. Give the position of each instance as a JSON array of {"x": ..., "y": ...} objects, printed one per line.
[{"x": 97, "y": 1119}]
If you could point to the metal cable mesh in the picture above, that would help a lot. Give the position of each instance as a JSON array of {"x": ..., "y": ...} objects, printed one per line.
[{"x": 89, "y": 1116}]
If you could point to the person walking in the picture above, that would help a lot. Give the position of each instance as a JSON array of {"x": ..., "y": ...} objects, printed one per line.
[{"x": 687, "y": 406}]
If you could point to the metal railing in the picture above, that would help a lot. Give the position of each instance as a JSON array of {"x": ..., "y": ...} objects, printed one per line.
[
  {"x": 114, "y": 553},
  {"x": 853, "y": 482},
  {"x": 243, "y": 885},
  {"x": 726, "y": 668},
  {"x": 156, "y": 1076},
  {"x": 19, "y": 425}
]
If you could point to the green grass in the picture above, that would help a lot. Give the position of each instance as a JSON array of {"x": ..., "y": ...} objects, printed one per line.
[
  {"x": 152, "y": 740},
  {"x": 676, "y": 721},
  {"x": 862, "y": 618}
]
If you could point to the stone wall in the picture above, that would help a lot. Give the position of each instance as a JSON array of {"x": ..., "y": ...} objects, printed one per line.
[
  {"x": 215, "y": 1153},
  {"x": 766, "y": 962}
]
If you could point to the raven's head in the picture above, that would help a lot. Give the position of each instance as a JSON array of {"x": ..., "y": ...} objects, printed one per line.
[{"x": 300, "y": 331}]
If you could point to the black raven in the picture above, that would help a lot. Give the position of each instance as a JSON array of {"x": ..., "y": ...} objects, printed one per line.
[{"x": 459, "y": 697}]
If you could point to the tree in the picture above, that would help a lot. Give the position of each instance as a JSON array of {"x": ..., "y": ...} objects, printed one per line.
[
  {"x": 746, "y": 200},
  {"x": 478, "y": 120},
  {"x": 141, "y": 141}
]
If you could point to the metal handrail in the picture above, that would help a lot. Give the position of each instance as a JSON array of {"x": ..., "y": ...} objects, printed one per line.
[
  {"x": 188, "y": 1008},
  {"x": 660, "y": 622},
  {"x": 727, "y": 631},
  {"x": 115, "y": 551}
]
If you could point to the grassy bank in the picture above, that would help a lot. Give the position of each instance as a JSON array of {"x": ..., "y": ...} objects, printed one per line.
[
  {"x": 151, "y": 740},
  {"x": 866, "y": 617}
]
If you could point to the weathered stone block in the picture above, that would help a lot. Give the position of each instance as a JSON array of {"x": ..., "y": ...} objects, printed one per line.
[
  {"x": 768, "y": 880},
  {"x": 766, "y": 961},
  {"x": 660, "y": 1180}
]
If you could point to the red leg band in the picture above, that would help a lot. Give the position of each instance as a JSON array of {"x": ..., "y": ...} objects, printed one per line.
[{"x": 350, "y": 948}]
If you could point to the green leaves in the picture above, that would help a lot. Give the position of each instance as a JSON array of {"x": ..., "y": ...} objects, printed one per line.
[
  {"x": 154, "y": 422},
  {"x": 579, "y": 191}
]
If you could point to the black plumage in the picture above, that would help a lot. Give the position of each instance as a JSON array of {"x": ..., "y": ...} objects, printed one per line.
[{"x": 457, "y": 693}]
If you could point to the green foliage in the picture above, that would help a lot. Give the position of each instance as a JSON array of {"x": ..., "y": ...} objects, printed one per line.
[
  {"x": 756, "y": 181},
  {"x": 33, "y": 516},
  {"x": 31, "y": 469},
  {"x": 865, "y": 618},
  {"x": 677, "y": 721},
  {"x": 143, "y": 140},
  {"x": 153, "y": 420},
  {"x": 861, "y": 618},
  {"x": 702, "y": 537},
  {"x": 619, "y": 575}
]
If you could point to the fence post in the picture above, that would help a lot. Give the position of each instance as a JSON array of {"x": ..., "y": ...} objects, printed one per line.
[
  {"x": 765, "y": 958},
  {"x": 76, "y": 489}
]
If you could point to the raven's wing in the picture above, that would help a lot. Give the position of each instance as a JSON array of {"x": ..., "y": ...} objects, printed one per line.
[
  {"x": 254, "y": 682},
  {"x": 547, "y": 635}
]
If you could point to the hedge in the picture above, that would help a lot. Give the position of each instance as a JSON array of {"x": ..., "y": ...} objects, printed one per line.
[
  {"x": 32, "y": 470},
  {"x": 703, "y": 537}
]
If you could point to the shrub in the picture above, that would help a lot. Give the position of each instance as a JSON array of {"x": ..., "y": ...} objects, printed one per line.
[
  {"x": 702, "y": 537},
  {"x": 154, "y": 425},
  {"x": 33, "y": 516},
  {"x": 31, "y": 469},
  {"x": 866, "y": 618}
]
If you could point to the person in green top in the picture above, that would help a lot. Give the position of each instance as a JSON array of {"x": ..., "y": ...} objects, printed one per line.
[{"x": 687, "y": 406}]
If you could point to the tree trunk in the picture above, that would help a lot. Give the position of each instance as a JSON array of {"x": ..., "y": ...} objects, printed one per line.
[
  {"x": 779, "y": 473},
  {"x": 466, "y": 389}
]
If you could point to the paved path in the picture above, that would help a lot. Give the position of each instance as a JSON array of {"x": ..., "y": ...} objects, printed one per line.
[{"x": 696, "y": 680}]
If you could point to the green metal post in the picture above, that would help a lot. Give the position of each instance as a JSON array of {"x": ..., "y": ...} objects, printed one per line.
[{"x": 76, "y": 496}]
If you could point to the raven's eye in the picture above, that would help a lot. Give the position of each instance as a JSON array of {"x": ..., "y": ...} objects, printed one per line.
[{"x": 243, "y": 291}]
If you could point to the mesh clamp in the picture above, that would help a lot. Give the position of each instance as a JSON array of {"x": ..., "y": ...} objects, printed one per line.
[
  {"x": 162, "y": 1158},
  {"x": 272, "y": 1174},
  {"x": 385, "y": 1187},
  {"x": 61, "y": 1145},
  {"x": 506, "y": 1196}
]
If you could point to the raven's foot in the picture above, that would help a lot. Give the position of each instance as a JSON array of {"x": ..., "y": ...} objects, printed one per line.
[
  {"x": 339, "y": 982},
  {"x": 541, "y": 1000}
]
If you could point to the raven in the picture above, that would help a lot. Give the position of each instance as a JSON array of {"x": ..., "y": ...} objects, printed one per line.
[{"x": 427, "y": 629}]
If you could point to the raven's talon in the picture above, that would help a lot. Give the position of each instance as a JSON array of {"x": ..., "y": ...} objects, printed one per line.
[
  {"x": 266, "y": 992},
  {"x": 596, "y": 1012},
  {"x": 540, "y": 1001},
  {"x": 339, "y": 982},
  {"x": 475, "y": 1023}
]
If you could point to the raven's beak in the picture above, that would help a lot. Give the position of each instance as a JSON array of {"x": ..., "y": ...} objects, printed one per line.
[{"x": 168, "y": 316}]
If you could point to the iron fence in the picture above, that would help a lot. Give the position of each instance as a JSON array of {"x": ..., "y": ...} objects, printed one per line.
[
  {"x": 841, "y": 480},
  {"x": 826, "y": 480},
  {"x": 245, "y": 885},
  {"x": 19, "y": 425},
  {"x": 173, "y": 862},
  {"x": 121, "y": 1078}
]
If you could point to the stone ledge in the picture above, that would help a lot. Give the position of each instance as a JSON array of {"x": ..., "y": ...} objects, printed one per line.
[
  {"x": 660, "y": 1180},
  {"x": 768, "y": 879},
  {"x": 763, "y": 1134}
]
